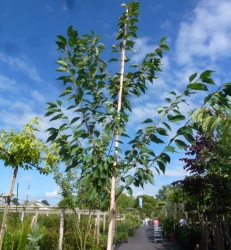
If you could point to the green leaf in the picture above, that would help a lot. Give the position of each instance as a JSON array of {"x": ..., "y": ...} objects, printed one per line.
[
  {"x": 159, "y": 110},
  {"x": 62, "y": 69},
  {"x": 66, "y": 91},
  {"x": 52, "y": 111},
  {"x": 189, "y": 138},
  {"x": 207, "y": 98},
  {"x": 129, "y": 180},
  {"x": 119, "y": 189},
  {"x": 162, "y": 131},
  {"x": 52, "y": 137},
  {"x": 70, "y": 30},
  {"x": 75, "y": 119},
  {"x": 62, "y": 63},
  {"x": 166, "y": 125},
  {"x": 164, "y": 46},
  {"x": 150, "y": 178},
  {"x": 59, "y": 102},
  {"x": 170, "y": 149},
  {"x": 162, "y": 40},
  {"x": 92, "y": 194},
  {"x": 197, "y": 86},
  {"x": 110, "y": 159},
  {"x": 192, "y": 77},
  {"x": 206, "y": 74},
  {"x": 155, "y": 139},
  {"x": 185, "y": 129},
  {"x": 113, "y": 60},
  {"x": 165, "y": 158},
  {"x": 161, "y": 166},
  {"x": 59, "y": 116},
  {"x": 148, "y": 121},
  {"x": 176, "y": 118},
  {"x": 120, "y": 34},
  {"x": 129, "y": 191},
  {"x": 180, "y": 144},
  {"x": 62, "y": 39}
]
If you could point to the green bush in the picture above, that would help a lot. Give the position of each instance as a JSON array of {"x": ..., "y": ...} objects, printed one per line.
[
  {"x": 16, "y": 234},
  {"x": 168, "y": 225},
  {"x": 187, "y": 237},
  {"x": 49, "y": 226}
]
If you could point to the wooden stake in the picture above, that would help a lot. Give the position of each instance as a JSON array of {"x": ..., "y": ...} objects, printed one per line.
[
  {"x": 61, "y": 229},
  {"x": 6, "y": 211},
  {"x": 112, "y": 219}
]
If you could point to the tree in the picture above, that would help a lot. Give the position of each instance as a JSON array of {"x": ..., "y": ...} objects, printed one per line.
[
  {"x": 45, "y": 202},
  {"x": 63, "y": 203},
  {"x": 15, "y": 201},
  {"x": 208, "y": 185},
  {"x": 95, "y": 119},
  {"x": 23, "y": 150},
  {"x": 148, "y": 205},
  {"x": 216, "y": 114},
  {"x": 124, "y": 203},
  {"x": 170, "y": 202}
]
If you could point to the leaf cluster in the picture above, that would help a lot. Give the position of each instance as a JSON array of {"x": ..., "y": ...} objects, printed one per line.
[
  {"x": 89, "y": 116},
  {"x": 23, "y": 149}
]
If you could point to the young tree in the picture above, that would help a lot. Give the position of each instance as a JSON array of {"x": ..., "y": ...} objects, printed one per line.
[
  {"x": 15, "y": 201},
  {"x": 45, "y": 202},
  {"x": 95, "y": 122},
  {"x": 208, "y": 162},
  {"x": 23, "y": 150}
]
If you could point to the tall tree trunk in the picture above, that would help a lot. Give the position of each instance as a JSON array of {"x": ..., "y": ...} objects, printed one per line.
[
  {"x": 7, "y": 206},
  {"x": 112, "y": 218}
]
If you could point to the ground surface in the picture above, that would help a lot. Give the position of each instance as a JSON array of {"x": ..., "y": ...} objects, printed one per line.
[{"x": 143, "y": 240}]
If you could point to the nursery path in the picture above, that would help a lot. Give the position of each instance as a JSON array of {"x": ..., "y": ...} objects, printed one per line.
[{"x": 143, "y": 240}]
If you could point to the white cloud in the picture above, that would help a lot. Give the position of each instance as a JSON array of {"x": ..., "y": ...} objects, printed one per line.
[
  {"x": 7, "y": 84},
  {"x": 166, "y": 25},
  {"x": 142, "y": 48},
  {"x": 52, "y": 194},
  {"x": 207, "y": 34},
  {"x": 37, "y": 96},
  {"x": 26, "y": 178},
  {"x": 177, "y": 171},
  {"x": 23, "y": 64}
]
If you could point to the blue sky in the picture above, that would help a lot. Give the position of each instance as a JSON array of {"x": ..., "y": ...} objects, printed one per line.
[{"x": 198, "y": 33}]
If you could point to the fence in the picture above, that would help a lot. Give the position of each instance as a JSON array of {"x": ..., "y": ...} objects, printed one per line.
[
  {"x": 214, "y": 226},
  {"x": 98, "y": 215}
]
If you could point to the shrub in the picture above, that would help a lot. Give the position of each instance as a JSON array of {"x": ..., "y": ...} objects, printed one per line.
[{"x": 187, "y": 237}]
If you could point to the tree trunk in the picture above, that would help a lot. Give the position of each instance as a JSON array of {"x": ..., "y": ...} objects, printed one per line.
[
  {"x": 61, "y": 228},
  {"x": 112, "y": 220},
  {"x": 6, "y": 211}
]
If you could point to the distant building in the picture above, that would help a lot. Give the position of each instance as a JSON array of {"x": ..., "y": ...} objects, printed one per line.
[
  {"x": 37, "y": 203},
  {"x": 2, "y": 201}
]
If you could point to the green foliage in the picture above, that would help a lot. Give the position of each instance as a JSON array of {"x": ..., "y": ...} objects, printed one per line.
[
  {"x": 94, "y": 109},
  {"x": 208, "y": 186},
  {"x": 85, "y": 138},
  {"x": 126, "y": 229},
  {"x": 34, "y": 237},
  {"x": 170, "y": 202},
  {"x": 187, "y": 237},
  {"x": 45, "y": 202},
  {"x": 214, "y": 115},
  {"x": 125, "y": 202},
  {"x": 15, "y": 201},
  {"x": 149, "y": 204},
  {"x": 16, "y": 235},
  {"x": 23, "y": 149},
  {"x": 168, "y": 225}
]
